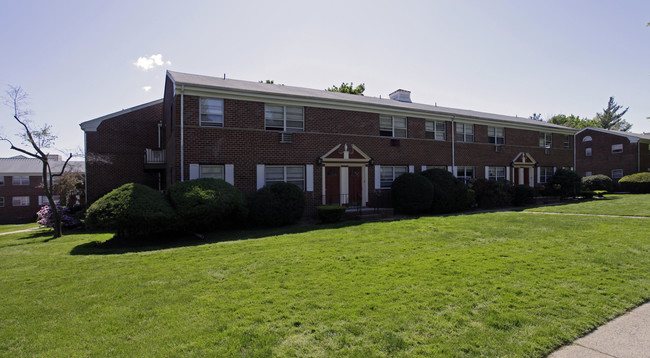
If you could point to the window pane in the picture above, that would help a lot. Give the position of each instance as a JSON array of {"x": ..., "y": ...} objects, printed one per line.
[
  {"x": 212, "y": 171},
  {"x": 385, "y": 123},
  {"x": 211, "y": 111},
  {"x": 491, "y": 132},
  {"x": 400, "y": 170},
  {"x": 274, "y": 174},
  {"x": 295, "y": 173},
  {"x": 294, "y": 113},
  {"x": 401, "y": 133},
  {"x": 469, "y": 129},
  {"x": 440, "y": 126},
  {"x": 273, "y": 112},
  {"x": 429, "y": 126},
  {"x": 400, "y": 122}
]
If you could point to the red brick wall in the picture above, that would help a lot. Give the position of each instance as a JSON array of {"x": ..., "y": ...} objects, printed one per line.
[
  {"x": 115, "y": 152},
  {"x": 602, "y": 160},
  {"x": 10, "y": 214}
]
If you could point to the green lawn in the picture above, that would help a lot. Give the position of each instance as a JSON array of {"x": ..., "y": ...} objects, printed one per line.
[
  {"x": 611, "y": 204},
  {"x": 12, "y": 227},
  {"x": 504, "y": 284}
]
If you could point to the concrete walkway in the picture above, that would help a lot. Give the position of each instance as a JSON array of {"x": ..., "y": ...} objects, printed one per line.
[
  {"x": 15, "y": 232},
  {"x": 627, "y": 336}
]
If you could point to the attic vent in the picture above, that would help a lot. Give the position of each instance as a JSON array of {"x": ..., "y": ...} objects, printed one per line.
[
  {"x": 286, "y": 137},
  {"x": 401, "y": 95}
]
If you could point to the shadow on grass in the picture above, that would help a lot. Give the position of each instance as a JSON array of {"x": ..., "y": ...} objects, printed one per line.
[{"x": 113, "y": 247}]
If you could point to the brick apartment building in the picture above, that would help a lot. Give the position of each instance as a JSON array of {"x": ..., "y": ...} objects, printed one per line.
[
  {"x": 20, "y": 195},
  {"x": 339, "y": 148},
  {"x": 612, "y": 153}
]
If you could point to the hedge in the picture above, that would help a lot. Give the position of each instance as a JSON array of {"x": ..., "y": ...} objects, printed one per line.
[
  {"x": 330, "y": 213},
  {"x": 411, "y": 194},
  {"x": 276, "y": 205},
  {"x": 449, "y": 193},
  {"x": 638, "y": 183}
]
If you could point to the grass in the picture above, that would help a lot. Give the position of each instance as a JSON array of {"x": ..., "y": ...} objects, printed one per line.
[
  {"x": 12, "y": 227},
  {"x": 495, "y": 284},
  {"x": 611, "y": 204}
]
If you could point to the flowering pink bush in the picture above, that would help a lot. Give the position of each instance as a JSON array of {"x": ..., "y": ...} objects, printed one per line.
[{"x": 46, "y": 217}]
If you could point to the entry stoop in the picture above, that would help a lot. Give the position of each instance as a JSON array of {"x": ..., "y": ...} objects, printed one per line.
[{"x": 368, "y": 214}]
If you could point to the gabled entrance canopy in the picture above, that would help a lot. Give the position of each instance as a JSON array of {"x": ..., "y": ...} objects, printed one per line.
[
  {"x": 523, "y": 169},
  {"x": 523, "y": 160},
  {"x": 345, "y": 175},
  {"x": 345, "y": 153}
]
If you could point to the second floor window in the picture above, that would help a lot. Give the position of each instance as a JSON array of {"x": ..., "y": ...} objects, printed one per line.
[
  {"x": 435, "y": 130},
  {"x": 2, "y": 180},
  {"x": 496, "y": 135},
  {"x": 567, "y": 142},
  {"x": 464, "y": 132},
  {"x": 545, "y": 139},
  {"x": 284, "y": 118},
  {"x": 390, "y": 126},
  {"x": 20, "y": 180},
  {"x": 211, "y": 112},
  {"x": 617, "y": 148}
]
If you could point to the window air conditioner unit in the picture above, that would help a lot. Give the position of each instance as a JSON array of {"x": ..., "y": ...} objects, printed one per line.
[{"x": 286, "y": 137}]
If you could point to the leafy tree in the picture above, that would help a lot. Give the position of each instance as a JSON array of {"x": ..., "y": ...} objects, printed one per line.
[
  {"x": 349, "y": 88},
  {"x": 269, "y": 82},
  {"x": 38, "y": 139},
  {"x": 572, "y": 121},
  {"x": 68, "y": 187},
  {"x": 536, "y": 116},
  {"x": 611, "y": 118}
]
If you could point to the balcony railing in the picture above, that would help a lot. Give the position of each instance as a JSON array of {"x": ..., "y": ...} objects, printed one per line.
[{"x": 154, "y": 157}]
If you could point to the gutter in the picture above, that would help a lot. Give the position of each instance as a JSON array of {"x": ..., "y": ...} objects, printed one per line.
[{"x": 182, "y": 125}]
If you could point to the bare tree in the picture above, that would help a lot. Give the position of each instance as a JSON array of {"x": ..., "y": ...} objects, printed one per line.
[{"x": 38, "y": 139}]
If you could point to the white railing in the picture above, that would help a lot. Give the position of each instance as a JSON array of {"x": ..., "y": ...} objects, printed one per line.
[{"x": 154, "y": 156}]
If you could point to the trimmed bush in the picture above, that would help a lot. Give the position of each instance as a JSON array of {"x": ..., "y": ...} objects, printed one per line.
[
  {"x": 330, "y": 213},
  {"x": 597, "y": 182},
  {"x": 411, "y": 194},
  {"x": 566, "y": 183},
  {"x": 207, "y": 204},
  {"x": 276, "y": 205},
  {"x": 133, "y": 211},
  {"x": 449, "y": 192},
  {"x": 491, "y": 193},
  {"x": 638, "y": 183},
  {"x": 523, "y": 195}
]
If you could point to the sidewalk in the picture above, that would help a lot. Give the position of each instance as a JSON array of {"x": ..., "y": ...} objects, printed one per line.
[
  {"x": 627, "y": 336},
  {"x": 17, "y": 231}
]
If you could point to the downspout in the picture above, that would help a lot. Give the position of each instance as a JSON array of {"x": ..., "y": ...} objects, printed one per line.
[
  {"x": 85, "y": 167},
  {"x": 453, "y": 145},
  {"x": 575, "y": 163},
  {"x": 182, "y": 156},
  {"x": 638, "y": 156}
]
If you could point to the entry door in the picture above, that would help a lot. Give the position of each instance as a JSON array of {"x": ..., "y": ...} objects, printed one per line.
[
  {"x": 354, "y": 183},
  {"x": 333, "y": 186}
]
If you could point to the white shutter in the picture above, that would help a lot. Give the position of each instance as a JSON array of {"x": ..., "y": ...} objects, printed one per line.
[
  {"x": 411, "y": 169},
  {"x": 487, "y": 172},
  {"x": 194, "y": 171},
  {"x": 508, "y": 173},
  {"x": 539, "y": 175},
  {"x": 450, "y": 169},
  {"x": 229, "y": 174},
  {"x": 424, "y": 168},
  {"x": 309, "y": 177},
  {"x": 377, "y": 177},
  {"x": 554, "y": 170},
  {"x": 260, "y": 176}
]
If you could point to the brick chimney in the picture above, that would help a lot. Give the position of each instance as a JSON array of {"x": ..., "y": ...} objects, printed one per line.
[{"x": 401, "y": 95}]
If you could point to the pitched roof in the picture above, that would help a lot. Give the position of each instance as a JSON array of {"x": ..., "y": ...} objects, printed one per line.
[
  {"x": 633, "y": 137},
  {"x": 91, "y": 125},
  {"x": 31, "y": 166},
  {"x": 218, "y": 85}
]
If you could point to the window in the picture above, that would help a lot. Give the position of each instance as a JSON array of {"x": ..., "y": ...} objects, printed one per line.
[
  {"x": 587, "y": 152},
  {"x": 2, "y": 180},
  {"x": 284, "y": 118},
  {"x": 587, "y": 173},
  {"x": 42, "y": 200},
  {"x": 617, "y": 173},
  {"x": 389, "y": 174},
  {"x": 617, "y": 148},
  {"x": 464, "y": 132},
  {"x": 20, "y": 201},
  {"x": 545, "y": 174},
  {"x": 465, "y": 173},
  {"x": 586, "y": 139},
  {"x": 496, "y": 135},
  {"x": 496, "y": 173},
  {"x": 436, "y": 130},
  {"x": 567, "y": 141},
  {"x": 211, "y": 171},
  {"x": 211, "y": 112},
  {"x": 2, "y": 201},
  {"x": 545, "y": 140},
  {"x": 294, "y": 174},
  {"x": 20, "y": 180},
  {"x": 390, "y": 126}
]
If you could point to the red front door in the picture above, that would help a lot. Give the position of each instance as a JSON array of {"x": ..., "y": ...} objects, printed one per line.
[
  {"x": 332, "y": 186},
  {"x": 354, "y": 184}
]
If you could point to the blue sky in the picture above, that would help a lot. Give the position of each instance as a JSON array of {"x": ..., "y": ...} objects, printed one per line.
[{"x": 78, "y": 59}]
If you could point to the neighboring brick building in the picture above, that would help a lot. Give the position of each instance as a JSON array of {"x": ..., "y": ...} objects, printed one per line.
[
  {"x": 612, "y": 153},
  {"x": 20, "y": 195},
  {"x": 339, "y": 148}
]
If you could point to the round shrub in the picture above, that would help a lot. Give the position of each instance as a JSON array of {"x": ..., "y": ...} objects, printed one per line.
[
  {"x": 566, "y": 183},
  {"x": 492, "y": 193},
  {"x": 411, "y": 194},
  {"x": 207, "y": 204},
  {"x": 330, "y": 213},
  {"x": 638, "y": 183},
  {"x": 597, "y": 182},
  {"x": 133, "y": 211},
  {"x": 449, "y": 192},
  {"x": 523, "y": 195},
  {"x": 276, "y": 205}
]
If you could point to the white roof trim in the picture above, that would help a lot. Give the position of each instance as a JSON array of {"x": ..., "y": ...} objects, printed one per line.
[{"x": 91, "y": 125}]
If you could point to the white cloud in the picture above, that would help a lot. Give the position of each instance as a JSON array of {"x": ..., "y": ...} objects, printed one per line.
[
  {"x": 146, "y": 88},
  {"x": 148, "y": 63}
]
